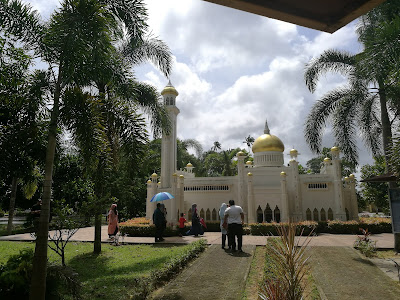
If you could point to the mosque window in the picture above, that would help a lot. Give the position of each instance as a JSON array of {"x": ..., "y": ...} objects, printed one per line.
[
  {"x": 323, "y": 215},
  {"x": 206, "y": 188},
  {"x": 214, "y": 215},
  {"x": 317, "y": 186},
  {"x": 330, "y": 214},
  {"x": 208, "y": 214},
  {"x": 347, "y": 214},
  {"x": 277, "y": 215},
  {"x": 202, "y": 213},
  {"x": 308, "y": 214},
  {"x": 259, "y": 215},
  {"x": 268, "y": 214},
  {"x": 315, "y": 215}
]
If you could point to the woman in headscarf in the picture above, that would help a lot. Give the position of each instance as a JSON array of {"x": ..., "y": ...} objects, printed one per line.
[
  {"x": 195, "y": 230},
  {"x": 112, "y": 221},
  {"x": 223, "y": 230}
]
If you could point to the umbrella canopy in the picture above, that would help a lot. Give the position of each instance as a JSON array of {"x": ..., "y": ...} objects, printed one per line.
[{"x": 161, "y": 197}]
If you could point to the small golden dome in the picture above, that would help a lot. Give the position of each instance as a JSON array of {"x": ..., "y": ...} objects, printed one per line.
[
  {"x": 293, "y": 152},
  {"x": 149, "y": 181},
  {"x": 346, "y": 178},
  {"x": 351, "y": 176},
  {"x": 240, "y": 153},
  {"x": 249, "y": 174},
  {"x": 154, "y": 175},
  {"x": 327, "y": 159},
  {"x": 283, "y": 174},
  {"x": 169, "y": 89},
  {"x": 181, "y": 176},
  {"x": 335, "y": 149},
  {"x": 174, "y": 174},
  {"x": 292, "y": 160},
  {"x": 268, "y": 142},
  {"x": 249, "y": 162},
  {"x": 189, "y": 165}
]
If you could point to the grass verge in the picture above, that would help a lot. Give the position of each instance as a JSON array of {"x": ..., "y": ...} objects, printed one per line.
[{"x": 123, "y": 272}]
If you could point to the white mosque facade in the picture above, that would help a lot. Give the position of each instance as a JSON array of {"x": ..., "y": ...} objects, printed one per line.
[{"x": 266, "y": 189}]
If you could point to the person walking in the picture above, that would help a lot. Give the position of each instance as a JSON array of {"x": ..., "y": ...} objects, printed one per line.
[
  {"x": 112, "y": 221},
  {"x": 224, "y": 232},
  {"x": 234, "y": 218},
  {"x": 196, "y": 226},
  {"x": 159, "y": 222}
]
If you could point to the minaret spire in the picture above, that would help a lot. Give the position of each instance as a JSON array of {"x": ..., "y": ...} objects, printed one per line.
[{"x": 266, "y": 129}]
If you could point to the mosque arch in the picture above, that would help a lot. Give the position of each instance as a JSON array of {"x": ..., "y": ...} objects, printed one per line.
[
  {"x": 330, "y": 214},
  {"x": 202, "y": 213},
  {"x": 277, "y": 215},
  {"x": 208, "y": 214},
  {"x": 347, "y": 214},
  {"x": 315, "y": 215},
  {"x": 323, "y": 215},
  {"x": 214, "y": 215},
  {"x": 308, "y": 214},
  {"x": 259, "y": 215},
  {"x": 268, "y": 214}
]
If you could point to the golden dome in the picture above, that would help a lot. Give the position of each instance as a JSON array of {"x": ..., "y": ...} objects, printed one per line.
[
  {"x": 169, "y": 89},
  {"x": 327, "y": 159},
  {"x": 293, "y": 152},
  {"x": 189, "y": 165},
  {"x": 149, "y": 181},
  {"x": 334, "y": 149},
  {"x": 241, "y": 153},
  {"x": 249, "y": 174},
  {"x": 346, "y": 178},
  {"x": 181, "y": 176},
  {"x": 351, "y": 176},
  {"x": 283, "y": 174},
  {"x": 174, "y": 174},
  {"x": 249, "y": 162},
  {"x": 268, "y": 142},
  {"x": 154, "y": 175}
]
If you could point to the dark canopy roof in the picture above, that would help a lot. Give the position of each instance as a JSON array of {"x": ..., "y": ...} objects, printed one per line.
[{"x": 323, "y": 15}]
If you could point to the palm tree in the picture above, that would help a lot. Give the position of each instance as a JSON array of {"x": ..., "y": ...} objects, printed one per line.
[
  {"x": 369, "y": 102},
  {"x": 217, "y": 146},
  {"x": 249, "y": 141}
]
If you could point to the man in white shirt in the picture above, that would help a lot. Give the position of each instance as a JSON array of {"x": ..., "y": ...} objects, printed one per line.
[{"x": 234, "y": 218}]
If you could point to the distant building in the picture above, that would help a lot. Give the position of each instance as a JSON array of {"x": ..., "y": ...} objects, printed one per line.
[{"x": 266, "y": 189}]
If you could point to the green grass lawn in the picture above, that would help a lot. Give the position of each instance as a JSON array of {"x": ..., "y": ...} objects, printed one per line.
[{"x": 113, "y": 273}]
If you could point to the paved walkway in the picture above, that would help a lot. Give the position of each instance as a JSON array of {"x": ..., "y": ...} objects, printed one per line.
[
  {"x": 205, "y": 279},
  {"x": 384, "y": 240}
]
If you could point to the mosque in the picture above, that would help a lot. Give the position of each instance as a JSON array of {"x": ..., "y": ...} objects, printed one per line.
[{"x": 266, "y": 189}]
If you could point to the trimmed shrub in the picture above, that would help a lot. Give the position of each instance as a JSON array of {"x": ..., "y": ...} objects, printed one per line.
[
  {"x": 268, "y": 229},
  {"x": 144, "y": 230}
]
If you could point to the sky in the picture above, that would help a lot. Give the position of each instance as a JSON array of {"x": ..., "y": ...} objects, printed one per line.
[{"x": 234, "y": 70}]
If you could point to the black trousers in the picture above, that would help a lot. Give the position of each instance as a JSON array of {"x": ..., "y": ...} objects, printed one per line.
[
  {"x": 235, "y": 230},
  {"x": 159, "y": 232}
]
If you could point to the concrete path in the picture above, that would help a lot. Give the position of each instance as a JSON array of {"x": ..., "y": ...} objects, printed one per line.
[{"x": 384, "y": 240}]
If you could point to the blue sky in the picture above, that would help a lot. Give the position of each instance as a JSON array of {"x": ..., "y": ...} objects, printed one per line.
[{"x": 233, "y": 70}]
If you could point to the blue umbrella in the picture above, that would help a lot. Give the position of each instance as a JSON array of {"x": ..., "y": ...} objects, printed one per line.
[{"x": 161, "y": 197}]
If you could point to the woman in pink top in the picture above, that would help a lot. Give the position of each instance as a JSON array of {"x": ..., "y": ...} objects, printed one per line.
[{"x": 112, "y": 221}]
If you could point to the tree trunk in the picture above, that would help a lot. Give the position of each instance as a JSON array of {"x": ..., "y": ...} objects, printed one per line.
[
  {"x": 97, "y": 232},
  {"x": 12, "y": 204},
  {"x": 387, "y": 144},
  {"x": 38, "y": 280}
]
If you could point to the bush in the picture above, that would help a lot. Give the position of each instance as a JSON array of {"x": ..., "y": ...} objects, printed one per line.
[
  {"x": 15, "y": 278},
  {"x": 268, "y": 229},
  {"x": 1, "y": 213},
  {"x": 144, "y": 230},
  {"x": 365, "y": 244}
]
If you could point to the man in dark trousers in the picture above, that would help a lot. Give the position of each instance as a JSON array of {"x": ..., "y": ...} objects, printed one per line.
[
  {"x": 159, "y": 222},
  {"x": 234, "y": 217}
]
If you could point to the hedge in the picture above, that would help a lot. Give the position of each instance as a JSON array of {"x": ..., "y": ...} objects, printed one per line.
[{"x": 141, "y": 229}]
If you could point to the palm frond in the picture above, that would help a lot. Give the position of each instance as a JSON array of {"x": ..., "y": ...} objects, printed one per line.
[
  {"x": 320, "y": 113},
  {"x": 329, "y": 61}
]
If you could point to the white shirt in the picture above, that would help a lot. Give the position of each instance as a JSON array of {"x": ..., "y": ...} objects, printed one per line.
[{"x": 234, "y": 214}]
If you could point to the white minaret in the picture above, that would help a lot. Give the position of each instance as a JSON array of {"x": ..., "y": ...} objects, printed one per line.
[{"x": 168, "y": 145}]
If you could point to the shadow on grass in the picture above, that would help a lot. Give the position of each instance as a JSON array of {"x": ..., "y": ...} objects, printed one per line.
[{"x": 364, "y": 261}]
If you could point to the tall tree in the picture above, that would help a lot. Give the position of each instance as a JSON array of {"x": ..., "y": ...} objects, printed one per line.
[
  {"x": 249, "y": 141},
  {"x": 216, "y": 146}
]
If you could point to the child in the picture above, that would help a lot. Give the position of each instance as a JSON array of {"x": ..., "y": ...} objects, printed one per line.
[{"x": 182, "y": 221}]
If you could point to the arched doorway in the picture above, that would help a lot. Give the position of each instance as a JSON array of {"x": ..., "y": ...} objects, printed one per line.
[
  {"x": 260, "y": 218},
  {"x": 268, "y": 214},
  {"x": 277, "y": 215}
]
